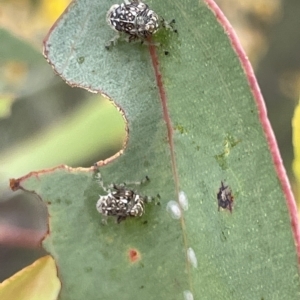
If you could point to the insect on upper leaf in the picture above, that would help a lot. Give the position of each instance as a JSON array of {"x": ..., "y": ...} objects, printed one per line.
[{"x": 136, "y": 20}]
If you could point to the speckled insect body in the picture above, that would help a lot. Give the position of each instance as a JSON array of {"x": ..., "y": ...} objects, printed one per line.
[
  {"x": 120, "y": 201},
  {"x": 135, "y": 19}
]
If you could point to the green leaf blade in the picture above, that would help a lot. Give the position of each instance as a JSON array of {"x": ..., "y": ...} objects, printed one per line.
[{"x": 208, "y": 131}]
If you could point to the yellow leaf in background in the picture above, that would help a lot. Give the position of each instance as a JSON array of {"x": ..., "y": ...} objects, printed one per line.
[
  {"x": 31, "y": 20},
  {"x": 296, "y": 142},
  {"x": 296, "y": 146},
  {"x": 53, "y": 9},
  {"x": 38, "y": 281},
  {"x": 13, "y": 73},
  {"x": 6, "y": 102}
]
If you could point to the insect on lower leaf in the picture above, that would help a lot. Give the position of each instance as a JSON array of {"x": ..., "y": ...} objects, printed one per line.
[{"x": 120, "y": 201}]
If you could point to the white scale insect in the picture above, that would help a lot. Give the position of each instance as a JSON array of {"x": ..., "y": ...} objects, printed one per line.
[
  {"x": 120, "y": 201},
  {"x": 134, "y": 18}
]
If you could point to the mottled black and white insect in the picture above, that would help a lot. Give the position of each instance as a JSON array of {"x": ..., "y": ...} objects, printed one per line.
[
  {"x": 225, "y": 197},
  {"x": 136, "y": 20},
  {"x": 120, "y": 201}
]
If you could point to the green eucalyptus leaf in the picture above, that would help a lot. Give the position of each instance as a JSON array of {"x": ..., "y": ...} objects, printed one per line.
[{"x": 193, "y": 125}]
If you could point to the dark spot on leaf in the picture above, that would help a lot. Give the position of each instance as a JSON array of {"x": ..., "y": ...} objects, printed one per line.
[
  {"x": 141, "y": 287},
  {"x": 229, "y": 143},
  {"x": 222, "y": 161},
  {"x": 134, "y": 255},
  {"x": 223, "y": 237},
  {"x": 88, "y": 269},
  {"x": 80, "y": 59},
  {"x": 146, "y": 163},
  {"x": 180, "y": 128},
  {"x": 157, "y": 199},
  {"x": 145, "y": 222},
  {"x": 225, "y": 197}
]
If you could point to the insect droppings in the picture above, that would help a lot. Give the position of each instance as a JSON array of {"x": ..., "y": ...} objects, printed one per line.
[
  {"x": 225, "y": 197},
  {"x": 136, "y": 20}
]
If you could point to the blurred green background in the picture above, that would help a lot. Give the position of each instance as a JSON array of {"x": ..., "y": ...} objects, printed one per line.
[{"x": 45, "y": 123}]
